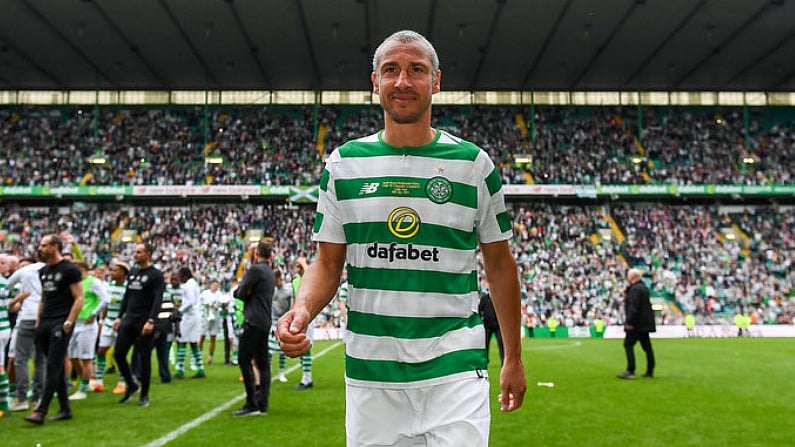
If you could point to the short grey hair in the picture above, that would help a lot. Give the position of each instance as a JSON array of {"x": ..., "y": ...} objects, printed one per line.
[{"x": 407, "y": 36}]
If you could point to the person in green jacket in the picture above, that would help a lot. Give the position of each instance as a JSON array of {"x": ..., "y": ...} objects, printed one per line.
[
  {"x": 82, "y": 345},
  {"x": 552, "y": 325},
  {"x": 599, "y": 327},
  {"x": 690, "y": 325},
  {"x": 739, "y": 323}
]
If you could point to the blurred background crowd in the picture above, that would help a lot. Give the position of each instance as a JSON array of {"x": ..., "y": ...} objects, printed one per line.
[
  {"x": 284, "y": 145},
  {"x": 572, "y": 256}
]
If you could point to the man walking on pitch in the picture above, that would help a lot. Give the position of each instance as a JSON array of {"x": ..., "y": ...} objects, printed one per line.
[
  {"x": 82, "y": 346},
  {"x": 61, "y": 301},
  {"x": 107, "y": 336},
  {"x": 282, "y": 301},
  {"x": 190, "y": 325},
  {"x": 407, "y": 208},
  {"x": 490, "y": 324},
  {"x": 256, "y": 291},
  {"x": 638, "y": 322},
  {"x": 306, "y": 358},
  {"x": 27, "y": 278},
  {"x": 136, "y": 322}
]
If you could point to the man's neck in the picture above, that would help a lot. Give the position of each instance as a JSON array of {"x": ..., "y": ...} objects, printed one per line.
[{"x": 408, "y": 135}]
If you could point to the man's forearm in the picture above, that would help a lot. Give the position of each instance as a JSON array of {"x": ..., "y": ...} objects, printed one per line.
[
  {"x": 76, "y": 306},
  {"x": 21, "y": 296},
  {"x": 321, "y": 280},
  {"x": 508, "y": 308}
]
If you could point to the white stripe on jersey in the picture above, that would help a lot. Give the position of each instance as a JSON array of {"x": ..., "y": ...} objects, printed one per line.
[
  {"x": 454, "y": 261},
  {"x": 411, "y": 304},
  {"x": 415, "y": 350}
]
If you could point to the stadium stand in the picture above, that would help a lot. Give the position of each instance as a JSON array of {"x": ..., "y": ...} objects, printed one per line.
[
  {"x": 572, "y": 254},
  {"x": 277, "y": 145}
]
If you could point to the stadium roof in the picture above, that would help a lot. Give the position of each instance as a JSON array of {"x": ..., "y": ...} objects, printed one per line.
[{"x": 504, "y": 45}]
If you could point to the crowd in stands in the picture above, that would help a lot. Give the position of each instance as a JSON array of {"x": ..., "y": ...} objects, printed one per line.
[
  {"x": 210, "y": 239},
  {"x": 279, "y": 145},
  {"x": 568, "y": 268},
  {"x": 708, "y": 272},
  {"x": 572, "y": 273}
]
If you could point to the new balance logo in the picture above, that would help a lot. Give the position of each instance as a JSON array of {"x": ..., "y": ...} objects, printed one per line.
[{"x": 369, "y": 188}]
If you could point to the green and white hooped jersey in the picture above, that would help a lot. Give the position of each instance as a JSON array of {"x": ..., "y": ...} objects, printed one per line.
[
  {"x": 116, "y": 292},
  {"x": 412, "y": 219},
  {"x": 175, "y": 294},
  {"x": 5, "y": 324}
]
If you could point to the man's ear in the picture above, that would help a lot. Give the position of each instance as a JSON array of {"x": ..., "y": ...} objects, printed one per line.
[{"x": 374, "y": 80}]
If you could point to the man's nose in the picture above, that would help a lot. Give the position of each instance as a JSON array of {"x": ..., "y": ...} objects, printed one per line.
[{"x": 402, "y": 79}]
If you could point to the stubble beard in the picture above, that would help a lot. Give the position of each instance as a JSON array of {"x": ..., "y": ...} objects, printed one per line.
[{"x": 405, "y": 118}]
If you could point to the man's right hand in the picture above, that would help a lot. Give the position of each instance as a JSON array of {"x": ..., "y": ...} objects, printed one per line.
[{"x": 291, "y": 333}]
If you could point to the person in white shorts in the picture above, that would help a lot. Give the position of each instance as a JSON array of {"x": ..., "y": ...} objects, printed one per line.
[
  {"x": 190, "y": 326},
  {"x": 83, "y": 344},
  {"x": 5, "y": 336},
  {"x": 213, "y": 321},
  {"x": 227, "y": 330},
  {"x": 107, "y": 336},
  {"x": 282, "y": 301},
  {"x": 405, "y": 211},
  {"x": 306, "y": 382}
]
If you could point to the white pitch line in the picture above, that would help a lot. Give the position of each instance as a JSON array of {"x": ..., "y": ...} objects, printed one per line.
[
  {"x": 168, "y": 437},
  {"x": 554, "y": 347}
]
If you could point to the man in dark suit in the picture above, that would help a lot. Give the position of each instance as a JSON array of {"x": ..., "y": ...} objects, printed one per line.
[
  {"x": 638, "y": 323},
  {"x": 490, "y": 324}
]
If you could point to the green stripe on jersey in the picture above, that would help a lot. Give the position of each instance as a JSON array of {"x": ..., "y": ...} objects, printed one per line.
[
  {"x": 504, "y": 221},
  {"x": 5, "y": 324},
  {"x": 367, "y": 187},
  {"x": 461, "y": 150},
  {"x": 407, "y": 327},
  {"x": 429, "y": 234},
  {"x": 494, "y": 182},
  {"x": 324, "y": 180},
  {"x": 392, "y": 371},
  {"x": 116, "y": 292},
  {"x": 427, "y": 281}
]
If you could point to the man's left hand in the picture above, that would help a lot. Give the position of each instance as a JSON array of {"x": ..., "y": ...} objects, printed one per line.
[
  {"x": 148, "y": 328},
  {"x": 513, "y": 385}
]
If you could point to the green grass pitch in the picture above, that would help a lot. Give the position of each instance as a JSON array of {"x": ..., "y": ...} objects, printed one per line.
[{"x": 708, "y": 392}]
